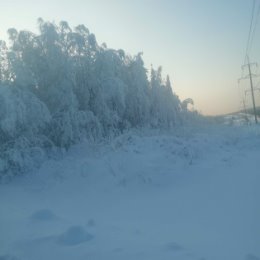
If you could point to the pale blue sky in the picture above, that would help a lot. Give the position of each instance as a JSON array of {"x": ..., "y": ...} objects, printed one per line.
[{"x": 199, "y": 43}]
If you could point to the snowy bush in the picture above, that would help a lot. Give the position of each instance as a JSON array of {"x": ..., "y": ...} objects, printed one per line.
[
  {"x": 23, "y": 119},
  {"x": 21, "y": 113},
  {"x": 20, "y": 156}
]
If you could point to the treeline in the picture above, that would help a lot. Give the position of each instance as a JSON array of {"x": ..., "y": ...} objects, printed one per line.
[{"x": 60, "y": 86}]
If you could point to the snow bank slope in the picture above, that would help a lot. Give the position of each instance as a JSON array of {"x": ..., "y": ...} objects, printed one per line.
[{"x": 141, "y": 197}]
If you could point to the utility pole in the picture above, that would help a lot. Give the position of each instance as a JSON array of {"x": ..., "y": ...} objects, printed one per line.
[
  {"x": 250, "y": 75},
  {"x": 252, "y": 88}
]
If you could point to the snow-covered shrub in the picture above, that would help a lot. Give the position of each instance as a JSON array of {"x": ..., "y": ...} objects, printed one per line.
[
  {"x": 21, "y": 113},
  {"x": 22, "y": 121},
  {"x": 19, "y": 156},
  {"x": 68, "y": 128}
]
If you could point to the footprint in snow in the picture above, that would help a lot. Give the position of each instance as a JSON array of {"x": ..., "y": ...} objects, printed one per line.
[
  {"x": 91, "y": 222},
  {"x": 172, "y": 246},
  {"x": 7, "y": 257},
  {"x": 175, "y": 248},
  {"x": 252, "y": 257},
  {"x": 43, "y": 215},
  {"x": 75, "y": 235}
]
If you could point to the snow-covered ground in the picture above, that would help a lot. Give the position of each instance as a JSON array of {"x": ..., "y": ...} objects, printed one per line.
[{"x": 188, "y": 195}]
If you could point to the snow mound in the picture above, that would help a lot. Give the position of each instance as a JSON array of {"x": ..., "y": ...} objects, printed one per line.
[{"x": 75, "y": 235}]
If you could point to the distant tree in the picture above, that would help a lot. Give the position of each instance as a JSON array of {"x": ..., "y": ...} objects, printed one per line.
[
  {"x": 165, "y": 108},
  {"x": 186, "y": 102}
]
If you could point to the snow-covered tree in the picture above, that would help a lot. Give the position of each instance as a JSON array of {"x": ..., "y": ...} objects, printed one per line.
[
  {"x": 138, "y": 96},
  {"x": 60, "y": 86}
]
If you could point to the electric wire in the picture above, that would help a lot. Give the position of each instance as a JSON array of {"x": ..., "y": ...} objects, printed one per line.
[
  {"x": 254, "y": 29},
  {"x": 250, "y": 30}
]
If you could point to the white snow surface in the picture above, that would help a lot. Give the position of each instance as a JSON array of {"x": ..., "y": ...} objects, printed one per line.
[{"x": 185, "y": 195}]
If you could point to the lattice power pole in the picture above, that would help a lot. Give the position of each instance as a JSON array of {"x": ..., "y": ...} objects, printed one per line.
[{"x": 250, "y": 76}]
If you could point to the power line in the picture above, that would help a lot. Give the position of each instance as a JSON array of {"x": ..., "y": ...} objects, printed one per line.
[
  {"x": 254, "y": 28},
  {"x": 250, "y": 30}
]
